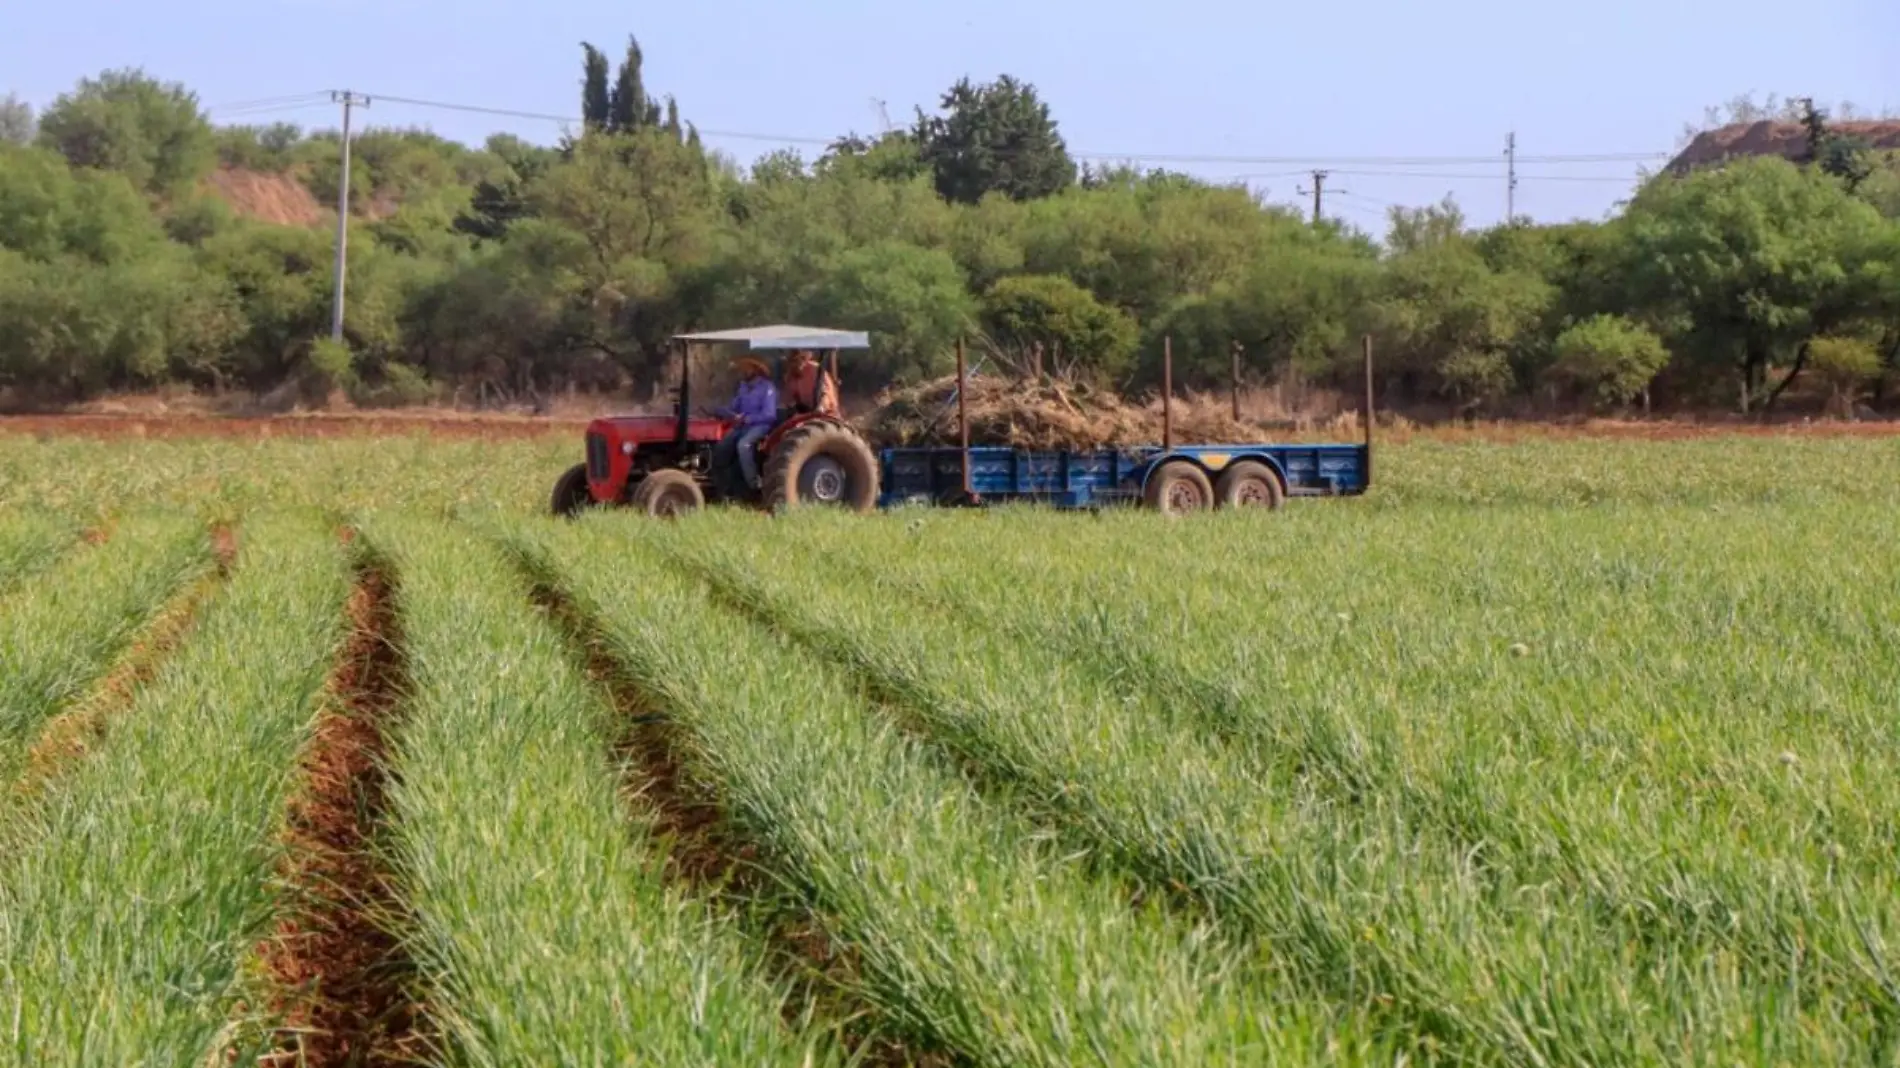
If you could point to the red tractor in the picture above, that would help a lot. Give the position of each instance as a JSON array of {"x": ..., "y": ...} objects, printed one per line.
[{"x": 665, "y": 464}]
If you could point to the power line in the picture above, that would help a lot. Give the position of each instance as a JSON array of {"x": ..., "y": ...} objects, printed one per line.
[{"x": 1133, "y": 157}]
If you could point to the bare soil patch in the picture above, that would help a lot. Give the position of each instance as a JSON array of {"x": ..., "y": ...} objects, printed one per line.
[{"x": 337, "y": 975}]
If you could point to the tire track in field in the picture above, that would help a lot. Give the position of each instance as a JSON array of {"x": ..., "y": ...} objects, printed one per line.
[
  {"x": 337, "y": 978},
  {"x": 704, "y": 853},
  {"x": 69, "y": 736}
]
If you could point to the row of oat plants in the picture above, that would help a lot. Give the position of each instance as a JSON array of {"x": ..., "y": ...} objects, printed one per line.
[
  {"x": 538, "y": 906},
  {"x": 1647, "y": 707},
  {"x": 62, "y": 629},
  {"x": 966, "y": 929},
  {"x": 1340, "y": 890},
  {"x": 30, "y": 542},
  {"x": 127, "y": 911}
]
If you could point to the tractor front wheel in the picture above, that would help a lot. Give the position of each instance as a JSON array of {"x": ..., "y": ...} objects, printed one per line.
[
  {"x": 1178, "y": 487},
  {"x": 570, "y": 493},
  {"x": 821, "y": 463},
  {"x": 668, "y": 493}
]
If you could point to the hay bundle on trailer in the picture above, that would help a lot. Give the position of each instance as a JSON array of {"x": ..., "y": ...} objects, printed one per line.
[{"x": 1042, "y": 414}]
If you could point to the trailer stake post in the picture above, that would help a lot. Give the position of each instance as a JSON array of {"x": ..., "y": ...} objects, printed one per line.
[
  {"x": 963, "y": 416},
  {"x": 1368, "y": 409},
  {"x": 1167, "y": 392},
  {"x": 1236, "y": 381}
]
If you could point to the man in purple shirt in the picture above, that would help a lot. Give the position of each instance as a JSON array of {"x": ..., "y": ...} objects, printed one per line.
[{"x": 755, "y": 406}]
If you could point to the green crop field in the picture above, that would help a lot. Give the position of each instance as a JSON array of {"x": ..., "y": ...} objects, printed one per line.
[{"x": 1555, "y": 752}]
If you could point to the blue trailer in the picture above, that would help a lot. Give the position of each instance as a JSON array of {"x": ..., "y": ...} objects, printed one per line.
[
  {"x": 1180, "y": 479},
  {"x": 1165, "y": 477}
]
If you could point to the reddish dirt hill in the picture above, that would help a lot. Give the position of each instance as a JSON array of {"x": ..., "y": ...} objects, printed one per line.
[
  {"x": 272, "y": 198},
  {"x": 1789, "y": 140}
]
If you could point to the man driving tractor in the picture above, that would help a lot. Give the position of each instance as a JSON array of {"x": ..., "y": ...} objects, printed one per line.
[{"x": 755, "y": 406}]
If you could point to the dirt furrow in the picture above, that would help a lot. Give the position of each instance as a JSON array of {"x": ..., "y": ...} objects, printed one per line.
[
  {"x": 338, "y": 981},
  {"x": 67, "y": 737},
  {"x": 706, "y": 854}
]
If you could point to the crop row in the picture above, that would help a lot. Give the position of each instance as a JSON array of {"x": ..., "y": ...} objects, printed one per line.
[
  {"x": 540, "y": 914},
  {"x": 130, "y": 905},
  {"x": 1606, "y": 763},
  {"x": 1335, "y": 882},
  {"x": 968, "y": 929},
  {"x": 61, "y": 629}
]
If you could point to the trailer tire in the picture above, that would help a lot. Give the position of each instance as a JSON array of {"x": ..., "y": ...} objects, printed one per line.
[
  {"x": 821, "y": 463},
  {"x": 1178, "y": 487},
  {"x": 1249, "y": 484},
  {"x": 570, "y": 495},
  {"x": 667, "y": 493}
]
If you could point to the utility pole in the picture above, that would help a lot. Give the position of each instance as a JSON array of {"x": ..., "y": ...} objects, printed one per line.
[
  {"x": 348, "y": 99},
  {"x": 1510, "y": 179},
  {"x": 1319, "y": 193}
]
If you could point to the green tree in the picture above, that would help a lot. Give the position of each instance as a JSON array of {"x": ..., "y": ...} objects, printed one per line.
[
  {"x": 1608, "y": 359},
  {"x": 643, "y": 205},
  {"x": 994, "y": 138},
  {"x": 1747, "y": 262},
  {"x": 1845, "y": 366},
  {"x": 631, "y": 107},
  {"x": 17, "y": 124},
  {"x": 1450, "y": 325},
  {"x": 911, "y": 299},
  {"x": 150, "y": 131},
  {"x": 1074, "y": 329},
  {"x": 596, "y": 99}
]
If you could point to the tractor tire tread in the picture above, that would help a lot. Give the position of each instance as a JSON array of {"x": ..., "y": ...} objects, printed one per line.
[{"x": 779, "y": 486}]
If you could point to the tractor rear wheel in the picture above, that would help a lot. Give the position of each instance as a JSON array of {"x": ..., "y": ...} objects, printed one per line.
[
  {"x": 667, "y": 493},
  {"x": 1178, "y": 487},
  {"x": 821, "y": 463},
  {"x": 1249, "y": 484},
  {"x": 570, "y": 493}
]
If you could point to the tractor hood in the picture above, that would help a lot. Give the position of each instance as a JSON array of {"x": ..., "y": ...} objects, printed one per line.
[{"x": 654, "y": 429}]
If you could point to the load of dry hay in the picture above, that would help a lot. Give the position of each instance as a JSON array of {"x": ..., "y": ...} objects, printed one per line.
[{"x": 1042, "y": 414}]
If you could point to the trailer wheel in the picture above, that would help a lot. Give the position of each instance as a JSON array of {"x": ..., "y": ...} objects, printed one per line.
[
  {"x": 1178, "y": 487},
  {"x": 668, "y": 493},
  {"x": 821, "y": 463},
  {"x": 570, "y": 493},
  {"x": 1249, "y": 484}
]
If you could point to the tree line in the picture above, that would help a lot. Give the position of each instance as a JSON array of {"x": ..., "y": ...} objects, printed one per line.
[{"x": 514, "y": 271}]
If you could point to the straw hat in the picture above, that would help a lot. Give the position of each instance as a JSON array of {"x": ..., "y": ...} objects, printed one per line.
[{"x": 747, "y": 363}]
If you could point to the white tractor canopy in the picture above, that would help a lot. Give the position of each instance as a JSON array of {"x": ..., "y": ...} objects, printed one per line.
[{"x": 782, "y": 336}]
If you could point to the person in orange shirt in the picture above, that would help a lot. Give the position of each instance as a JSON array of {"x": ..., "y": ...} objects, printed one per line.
[{"x": 808, "y": 387}]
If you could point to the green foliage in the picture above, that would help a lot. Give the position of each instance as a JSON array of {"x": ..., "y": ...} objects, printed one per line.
[
  {"x": 124, "y": 121},
  {"x": 911, "y": 299},
  {"x": 1607, "y": 358},
  {"x": 514, "y": 270},
  {"x": 17, "y": 121},
  {"x": 596, "y": 100},
  {"x": 1845, "y": 366},
  {"x": 994, "y": 138},
  {"x": 1748, "y": 261},
  {"x": 1072, "y": 327}
]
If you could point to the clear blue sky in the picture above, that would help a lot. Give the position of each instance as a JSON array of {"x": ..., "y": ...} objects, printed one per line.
[{"x": 1383, "y": 78}]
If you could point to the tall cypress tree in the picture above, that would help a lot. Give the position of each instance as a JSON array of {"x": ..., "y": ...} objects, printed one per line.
[
  {"x": 630, "y": 108},
  {"x": 673, "y": 118},
  {"x": 595, "y": 104}
]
